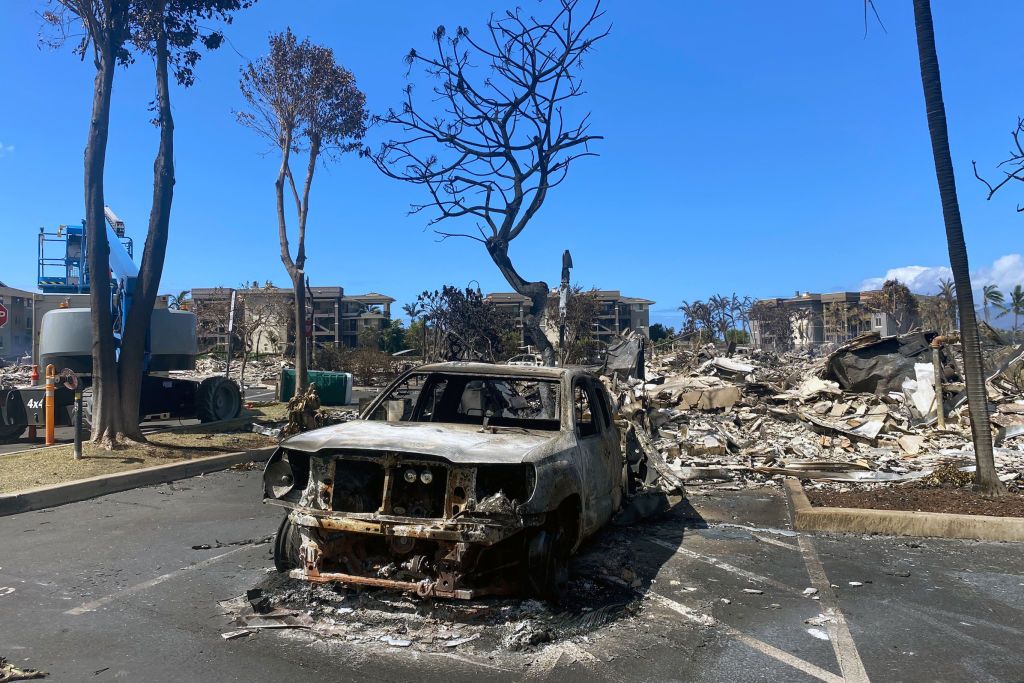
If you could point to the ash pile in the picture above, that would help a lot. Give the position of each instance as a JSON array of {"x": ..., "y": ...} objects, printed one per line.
[
  {"x": 864, "y": 414},
  {"x": 383, "y": 619}
]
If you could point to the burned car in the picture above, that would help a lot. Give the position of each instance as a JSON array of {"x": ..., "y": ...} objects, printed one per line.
[{"x": 458, "y": 480}]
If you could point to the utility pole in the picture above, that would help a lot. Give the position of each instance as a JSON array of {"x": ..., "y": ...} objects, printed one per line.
[{"x": 563, "y": 302}]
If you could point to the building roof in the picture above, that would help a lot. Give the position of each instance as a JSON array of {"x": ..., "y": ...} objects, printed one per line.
[
  {"x": 327, "y": 292},
  {"x": 495, "y": 370},
  {"x": 601, "y": 294},
  {"x": 506, "y": 296},
  {"x": 369, "y": 298},
  {"x": 14, "y": 291}
]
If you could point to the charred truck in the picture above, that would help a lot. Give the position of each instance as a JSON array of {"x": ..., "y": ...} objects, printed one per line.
[
  {"x": 459, "y": 480},
  {"x": 65, "y": 341}
]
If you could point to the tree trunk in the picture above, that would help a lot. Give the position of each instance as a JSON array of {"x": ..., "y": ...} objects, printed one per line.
[
  {"x": 301, "y": 370},
  {"x": 241, "y": 371},
  {"x": 106, "y": 396},
  {"x": 986, "y": 479},
  {"x": 537, "y": 292},
  {"x": 131, "y": 365}
]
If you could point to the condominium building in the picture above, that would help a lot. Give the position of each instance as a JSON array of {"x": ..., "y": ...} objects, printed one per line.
[
  {"x": 337, "y": 318},
  {"x": 616, "y": 313}
]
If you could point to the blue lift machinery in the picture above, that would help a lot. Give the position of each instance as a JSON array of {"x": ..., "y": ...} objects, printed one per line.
[{"x": 65, "y": 341}]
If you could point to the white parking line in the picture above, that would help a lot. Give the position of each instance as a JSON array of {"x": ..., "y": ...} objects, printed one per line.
[
  {"x": 775, "y": 541},
  {"x": 92, "y": 605},
  {"x": 715, "y": 562},
  {"x": 750, "y": 641},
  {"x": 839, "y": 633}
]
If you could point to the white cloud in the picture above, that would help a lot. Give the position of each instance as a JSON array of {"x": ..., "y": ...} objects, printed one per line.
[
  {"x": 5, "y": 149},
  {"x": 920, "y": 279},
  {"x": 1005, "y": 272}
]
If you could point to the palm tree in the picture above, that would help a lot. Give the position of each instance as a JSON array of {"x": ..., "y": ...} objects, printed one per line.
[
  {"x": 1015, "y": 305},
  {"x": 986, "y": 480},
  {"x": 415, "y": 310},
  {"x": 179, "y": 301},
  {"x": 991, "y": 295},
  {"x": 947, "y": 290}
]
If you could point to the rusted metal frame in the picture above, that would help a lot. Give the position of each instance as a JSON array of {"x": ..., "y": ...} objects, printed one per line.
[
  {"x": 385, "y": 501},
  {"x": 481, "y": 532},
  {"x": 459, "y": 477}
]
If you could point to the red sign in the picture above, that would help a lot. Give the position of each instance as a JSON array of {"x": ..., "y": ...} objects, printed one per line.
[{"x": 3, "y": 315}]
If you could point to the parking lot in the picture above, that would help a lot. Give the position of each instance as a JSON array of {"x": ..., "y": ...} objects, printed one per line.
[{"x": 113, "y": 588}]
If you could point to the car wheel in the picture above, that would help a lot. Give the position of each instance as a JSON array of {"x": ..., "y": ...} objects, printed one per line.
[
  {"x": 547, "y": 564},
  {"x": 286, "y": 546},
  {"x": 218, "y": 398},
  {"x": 11, "y": 433}
]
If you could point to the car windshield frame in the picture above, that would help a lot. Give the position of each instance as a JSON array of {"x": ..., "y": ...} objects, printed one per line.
[{"x": 503, "y": 405}]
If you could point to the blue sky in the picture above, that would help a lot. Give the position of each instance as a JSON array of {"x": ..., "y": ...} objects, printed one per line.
[{"x": 755, "y": 147}]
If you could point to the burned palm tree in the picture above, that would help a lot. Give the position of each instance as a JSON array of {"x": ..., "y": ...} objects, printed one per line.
[{"x": 986, "y": 479}]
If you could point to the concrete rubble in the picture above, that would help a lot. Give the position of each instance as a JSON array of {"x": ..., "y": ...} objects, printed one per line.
[
  {"x": 258, "y": 371},
  {"x": 15, "y": 375},
  {"x": 740, "y": 422}
]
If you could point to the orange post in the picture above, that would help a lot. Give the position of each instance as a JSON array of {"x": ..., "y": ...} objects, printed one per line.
[
  {"x": 35, "y": 382},
  {"x": 51, "y": 376}
]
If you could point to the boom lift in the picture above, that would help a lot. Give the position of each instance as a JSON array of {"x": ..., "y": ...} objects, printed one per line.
[{"x": 65, "y": 341}]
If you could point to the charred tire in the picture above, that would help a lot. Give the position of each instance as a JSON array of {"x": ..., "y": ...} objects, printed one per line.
[
  {"x": 9, "y": 433},
  {"x": 218, "y": 398},
  {"x": 286, "y": 546},
  {"x": 547, "y": 563}
]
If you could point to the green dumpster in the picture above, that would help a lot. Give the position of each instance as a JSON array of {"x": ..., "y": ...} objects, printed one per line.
[{"x": 334, "y": 388}]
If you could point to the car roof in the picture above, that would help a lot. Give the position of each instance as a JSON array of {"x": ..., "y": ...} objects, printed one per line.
[{"x": 529, "y": 371}]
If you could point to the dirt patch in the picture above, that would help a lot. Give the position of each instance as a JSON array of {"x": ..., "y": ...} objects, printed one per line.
[
  {"x": 922, "y": 498},
  {"x": 46, "y": 466}
]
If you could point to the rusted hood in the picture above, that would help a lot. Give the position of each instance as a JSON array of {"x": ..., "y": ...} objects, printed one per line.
[{"x": 457, "y": 443}]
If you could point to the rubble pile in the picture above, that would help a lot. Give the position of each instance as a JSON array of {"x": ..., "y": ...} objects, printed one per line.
[
  {"x": 864, "y": 413},
  {"x": 15, "y": 375},
  {"x": 258, "y": 371}
]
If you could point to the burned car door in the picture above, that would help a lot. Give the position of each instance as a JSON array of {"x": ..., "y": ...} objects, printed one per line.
[
  {"x": 596, "y": 447},
  {"x": 612, "y": 451}
]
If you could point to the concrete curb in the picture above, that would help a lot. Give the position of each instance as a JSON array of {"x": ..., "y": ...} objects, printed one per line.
[
  {"x": 83, "y": 489},
  {"x": 898, "y": 522}
]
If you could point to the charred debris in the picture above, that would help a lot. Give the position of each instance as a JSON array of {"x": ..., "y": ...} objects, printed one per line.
[{"x": 866, "y": 413}]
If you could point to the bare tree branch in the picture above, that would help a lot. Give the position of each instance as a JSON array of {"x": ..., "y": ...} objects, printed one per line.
[
  {"x": 1015, "y": 161},
  {"x": 498, "y": 133}
]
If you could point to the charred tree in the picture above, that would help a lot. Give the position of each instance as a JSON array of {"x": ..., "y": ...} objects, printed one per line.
[
  {"x": 501, "y": 136},
  {"x": 168, "y": 31},
  {"x": 301, "y": 100},
  {"x": 106, "y": 25}
]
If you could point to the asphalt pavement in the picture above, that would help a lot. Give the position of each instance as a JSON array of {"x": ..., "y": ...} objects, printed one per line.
[{"x": 112, "y": 589}]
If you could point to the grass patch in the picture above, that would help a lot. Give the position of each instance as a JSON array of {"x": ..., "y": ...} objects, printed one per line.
[
  {"x": 271, "y": 411},
  {"x": 57, "y": 465}
]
